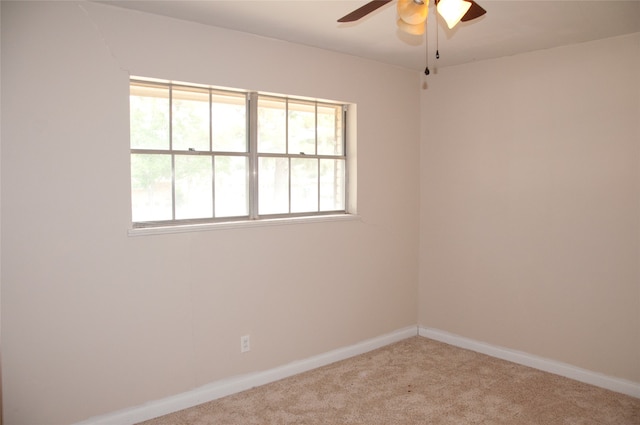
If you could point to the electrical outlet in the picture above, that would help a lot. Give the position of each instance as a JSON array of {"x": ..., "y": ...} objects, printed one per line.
[{"x": 245, "y": 344}]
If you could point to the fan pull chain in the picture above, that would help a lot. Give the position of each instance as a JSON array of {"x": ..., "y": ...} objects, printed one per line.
[
  {"x": 437, "y": 40},
  {"x": 426, "y": 43}
]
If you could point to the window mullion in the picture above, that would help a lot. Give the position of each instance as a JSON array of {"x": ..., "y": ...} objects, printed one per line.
[
  {"x": 210, "y": 121},
  {"x": 315, "y": 123},
  {"x": 319, "y": 186},
  {"x": 286, "y": 150},
  {"x": 315, "y": 104},
  {"x": 252, "y": 113},
  {"x": 213, "y": 157},
  {"x": 173, "y": 157},
  {"x": 213, "y": 186},
  {"x": 289, "y": 184}
]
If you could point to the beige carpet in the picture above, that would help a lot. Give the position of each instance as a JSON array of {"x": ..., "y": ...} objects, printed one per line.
[{"x": 417, "y": 381}]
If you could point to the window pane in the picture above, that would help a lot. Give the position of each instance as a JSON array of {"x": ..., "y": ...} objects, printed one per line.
[
  {"x": 229, "y": 122},
  {"x": 190, "y": 119},
  {"x": 304, "y": 185},
  {"x": 194, "y": 191},
  {"x": 232, "y": 186},
  {"x": 302, "y": 128},
  {"x": 273, "y": 186},
  {"x": 151, "y": 187},
  {"x": 149, "y": 116},
  {"x": 332, "y": 185},
  {"x": 330, "y": 130},
  {"x": 272, "y": 125}
]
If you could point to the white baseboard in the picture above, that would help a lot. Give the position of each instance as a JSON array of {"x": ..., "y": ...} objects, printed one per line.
[
  {"x": 237, "y": 384},
  {"x": 234, "y": 385},
  {"x": 600, "y": 380}
]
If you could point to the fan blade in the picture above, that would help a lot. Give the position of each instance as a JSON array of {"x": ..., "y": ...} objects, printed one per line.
[
  {"x": 475, "y": 11},
  {"x": 363, "y": 11}
]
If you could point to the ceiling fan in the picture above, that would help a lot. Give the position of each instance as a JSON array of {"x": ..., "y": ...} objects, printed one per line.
[{"x": 413, "y": 13}]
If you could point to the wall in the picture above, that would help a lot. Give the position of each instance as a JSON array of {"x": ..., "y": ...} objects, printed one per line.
[
  {"x": 530, "y": 205},
  {"x": 94, "y": 320}
]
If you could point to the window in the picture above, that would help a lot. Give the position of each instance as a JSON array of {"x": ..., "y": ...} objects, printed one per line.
[{"x": 201, "y": 154}]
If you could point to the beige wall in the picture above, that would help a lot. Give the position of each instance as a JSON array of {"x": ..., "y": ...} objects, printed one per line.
[
  {"x": 529, "y": 222},
  {"x": 530, "y": 205},
  {"x": 94, "y": 320}
]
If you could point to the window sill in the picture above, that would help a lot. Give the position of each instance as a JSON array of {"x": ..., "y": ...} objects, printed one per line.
[{"x": 241, "y": 224}]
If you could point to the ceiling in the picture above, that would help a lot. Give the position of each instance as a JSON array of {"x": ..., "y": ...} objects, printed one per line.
[{"x": 508, "y": 28}]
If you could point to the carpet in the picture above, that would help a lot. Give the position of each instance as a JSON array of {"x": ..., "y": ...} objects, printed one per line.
[{"x": 417, "y": 381}]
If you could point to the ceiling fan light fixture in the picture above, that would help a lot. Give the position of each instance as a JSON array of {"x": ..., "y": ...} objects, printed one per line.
[
  {"x": 416, "y": 29},
  {"x": 413, "y": 12},
  {"x": 452, "y": 10}
]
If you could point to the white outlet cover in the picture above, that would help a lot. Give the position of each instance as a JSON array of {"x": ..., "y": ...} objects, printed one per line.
[{"x": 245, "y": 344}]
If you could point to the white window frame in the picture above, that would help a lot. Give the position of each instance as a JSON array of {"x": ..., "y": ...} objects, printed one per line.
[{"x": 252, "y": 154}]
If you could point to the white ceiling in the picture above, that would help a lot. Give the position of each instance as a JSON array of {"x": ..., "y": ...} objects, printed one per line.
[{"x": 508, "y": 28}]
